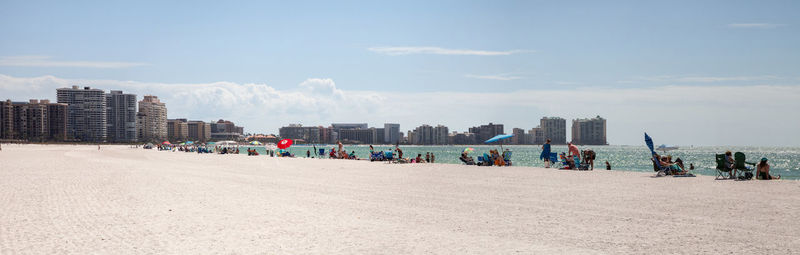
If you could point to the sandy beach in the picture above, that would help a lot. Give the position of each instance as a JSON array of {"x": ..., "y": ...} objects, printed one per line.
[{"x": 75, "y": 199}]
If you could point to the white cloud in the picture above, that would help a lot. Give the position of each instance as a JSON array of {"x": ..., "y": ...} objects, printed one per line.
[
  {"x": 700, "y": 79},
  {"x": 395, "y": 51},
  {"x": 683, "y": 115},
  {"x": 46, "y": 61},
  {"x": 497, "y": 77},
  {"x": 755, "y": 25}
]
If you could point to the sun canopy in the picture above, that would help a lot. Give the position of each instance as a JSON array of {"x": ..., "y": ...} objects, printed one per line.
[{"x": 498, "y": 138}]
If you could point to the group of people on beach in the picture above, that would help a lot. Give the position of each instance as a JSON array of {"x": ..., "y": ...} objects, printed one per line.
[
  {"x": 574, "y": 158},
  {"x": 762, "y": 168}
]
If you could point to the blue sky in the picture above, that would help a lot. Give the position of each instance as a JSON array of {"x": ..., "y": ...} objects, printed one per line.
[{"x": 412, "y": 61}]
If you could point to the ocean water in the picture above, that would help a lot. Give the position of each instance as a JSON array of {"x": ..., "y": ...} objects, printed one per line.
[{"x": 784, "y": 161}]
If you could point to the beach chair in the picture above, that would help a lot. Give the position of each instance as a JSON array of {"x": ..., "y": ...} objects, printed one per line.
[
  {"x": 388, "y": 155},
  {"x": 376, "y": 156},
  {"x": 722, "y": 166},
  {"x": 662, "y": 170},
  {"x": 507, "y": 157},
  {"x": 741, "y": 165}
]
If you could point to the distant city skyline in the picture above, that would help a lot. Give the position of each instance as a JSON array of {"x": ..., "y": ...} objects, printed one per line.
[{"x": 685, "y": 72}]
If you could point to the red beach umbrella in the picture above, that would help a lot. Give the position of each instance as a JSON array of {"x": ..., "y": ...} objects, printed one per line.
[
  {"x": 166, "y": 142},
  {"x": 285, "y": 143}
]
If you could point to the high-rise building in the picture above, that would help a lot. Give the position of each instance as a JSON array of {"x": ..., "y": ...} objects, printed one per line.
[
  {"x": 6, "y": 120},
  {"x": 589, "y": 131},
  {"x": 423, "y": 135},
  {"x": 299, "y": 132},
  {"x": 380, "y": 134},
  {"x": 519, "y": 136},
  {"x": 391, "y": 133},
  {"x": 484, "y": 132},
  {"x": 440, "y": 135},
  {"x": 226, "y": 130},
  {"x": 357, "y": 135},
  {"x": 177, "y": 129},
  {"x": 555, "y": 129},
  {"x": 86, "y": 113},
  {"x": 35, "y": 120},
  {"x": 462, "y": 138},
  {"x": 536, "y": 135},
  {"x": 199, "y": 131},
  {"x": 121, "y": 117},
  {"x": 152, "y": 119},
  {"x": 325, "y": 135}
]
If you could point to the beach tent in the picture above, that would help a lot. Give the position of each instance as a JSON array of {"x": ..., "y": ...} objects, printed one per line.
[{"x": 227, "y": 143}]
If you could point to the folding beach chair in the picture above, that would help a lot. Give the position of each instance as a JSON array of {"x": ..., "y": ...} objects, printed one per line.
[
  {"x": 722, "y": 166},
  {"x": 741, "y": 166}
]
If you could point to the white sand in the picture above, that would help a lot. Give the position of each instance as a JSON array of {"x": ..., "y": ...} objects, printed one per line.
[{"x": 75, "y": 199}]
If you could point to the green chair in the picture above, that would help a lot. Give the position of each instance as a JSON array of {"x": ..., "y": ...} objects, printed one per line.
[
  {"x": 741, "y": 165},
  {"x": 722, "y": 166}
]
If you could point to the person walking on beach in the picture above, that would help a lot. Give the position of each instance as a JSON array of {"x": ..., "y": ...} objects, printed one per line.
[
  {"x": 546, "y": 154},
  {"x": 98, "y": 147},
  {"x": 763, "y": 170}
]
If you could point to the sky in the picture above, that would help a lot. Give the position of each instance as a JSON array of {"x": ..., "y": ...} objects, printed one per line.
[{"x": 685, "y": 72}]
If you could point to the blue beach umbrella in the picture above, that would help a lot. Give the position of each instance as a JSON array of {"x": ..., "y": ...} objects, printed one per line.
[
  {"x": 649, "y": 142},
  {"x": 498, "y": 138}
]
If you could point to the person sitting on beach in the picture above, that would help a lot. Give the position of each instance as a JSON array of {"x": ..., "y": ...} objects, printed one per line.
[
  {"x": 466, "y": 159},
  {"x": 608, "y": 166},
  {"x": 419, "y": 158},
  {"x": 352, "y": 155},
  {"x": 674, "y": 169},
  {"x": 762, "y": 169},
  {"x": 729, "y": 163},
  {"x": 427, "y": 157},
  {"x": 332, "y": 154}
]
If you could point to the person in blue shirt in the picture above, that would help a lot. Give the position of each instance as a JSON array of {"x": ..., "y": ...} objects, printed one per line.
[{"x": 546, "y": 154}]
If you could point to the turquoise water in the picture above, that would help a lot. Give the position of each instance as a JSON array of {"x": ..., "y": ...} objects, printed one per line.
[{"x": 784, "y": 161}]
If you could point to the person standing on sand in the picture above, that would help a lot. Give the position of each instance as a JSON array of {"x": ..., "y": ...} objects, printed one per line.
[
  {"x": 308, "y": 153},
  {"x": 98, "y": 147},
  {"x": 399, "y": 151},
  {"x": 427, "y": 157},
  {"x": 546, "y": 154},
  {"x": 433, "y": 158}
]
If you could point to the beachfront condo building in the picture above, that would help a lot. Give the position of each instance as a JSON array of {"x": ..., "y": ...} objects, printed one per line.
[
  {"x": 461, "y": 138},
  {"x": 536, "y": 135},
  {"x": 86, "y": 113},
  {"x": 35, "y": 120},
  {"x": 555, "y": 129},
  {"x": 198, "y": 131},
  {"x": 358, "y": 135},
  {"x": 226, "y": 130},
  {"x": 177, "y": 129},
  {"x": 422, "y": 135},
  {"x": 484, "y": 132},
  {"x": 391, "y": 133},
  {"x": 519, "y": 136},
  {"x": 300, "y": 134},
  {"x": 589, "y": 131},
  {"x": 121, "y": 117},
  {"x": 441, "y": 134},
  {"x": 151, "y": 120}
]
